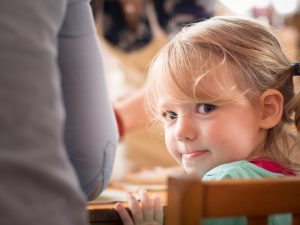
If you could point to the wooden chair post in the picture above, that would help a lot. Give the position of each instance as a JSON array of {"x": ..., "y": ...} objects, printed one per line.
[{"x": 182, "y": 207}]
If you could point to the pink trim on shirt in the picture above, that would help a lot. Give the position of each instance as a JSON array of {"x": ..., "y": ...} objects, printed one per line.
[{"x": 272, "y": 166}]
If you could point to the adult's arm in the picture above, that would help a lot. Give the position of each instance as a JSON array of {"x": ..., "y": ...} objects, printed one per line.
[
  {"x": 91, "y": 131},
  {"x": 38, "y": 183}
]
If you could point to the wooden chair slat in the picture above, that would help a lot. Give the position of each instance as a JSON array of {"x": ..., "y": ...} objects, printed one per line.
[{"x": 190, "y": 200}]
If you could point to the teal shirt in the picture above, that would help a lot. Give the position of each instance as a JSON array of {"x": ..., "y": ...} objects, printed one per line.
[{"x": 242, "y": 170}]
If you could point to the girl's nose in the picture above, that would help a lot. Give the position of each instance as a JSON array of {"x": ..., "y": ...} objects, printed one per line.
[{"x": 185, "y": 129}]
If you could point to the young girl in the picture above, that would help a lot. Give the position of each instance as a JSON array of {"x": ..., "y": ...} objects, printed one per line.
[{"x": 223, "y": 90}]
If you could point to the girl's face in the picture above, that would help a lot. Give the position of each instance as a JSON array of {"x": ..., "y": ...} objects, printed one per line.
[{"x": 202, "y": 136}]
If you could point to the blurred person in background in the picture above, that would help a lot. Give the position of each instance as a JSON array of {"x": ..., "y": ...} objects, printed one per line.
[
  {"x": 132, "y": 32},
  {"x": 294, "y": 21}
]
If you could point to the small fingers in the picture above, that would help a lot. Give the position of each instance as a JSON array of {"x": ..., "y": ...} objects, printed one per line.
[
  {"x": 135, "y": 209},
  {"x": 125, "y": 217},
  {"x": 150, "y": 211},
  {"x": 147, "y": 207},
  {"x": 158, "y": 209}
]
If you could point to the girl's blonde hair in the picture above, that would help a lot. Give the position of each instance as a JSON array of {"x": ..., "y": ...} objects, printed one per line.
[{"x": 202, "y": 53}]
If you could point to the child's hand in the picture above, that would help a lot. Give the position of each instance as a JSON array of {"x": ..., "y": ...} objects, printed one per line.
[{"x": 150, "y": 211}]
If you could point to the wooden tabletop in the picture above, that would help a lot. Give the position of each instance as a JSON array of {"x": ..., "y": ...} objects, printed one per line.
[{"x": 104, "y": 214}]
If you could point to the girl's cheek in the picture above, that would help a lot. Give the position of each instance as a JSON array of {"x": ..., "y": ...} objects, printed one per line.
[
  {"x": 171, "y": 146},
  {"x": 171, "y": 143},
  {"x": 168, "y": 135}
]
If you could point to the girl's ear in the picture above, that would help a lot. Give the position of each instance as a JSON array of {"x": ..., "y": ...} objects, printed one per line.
[{"x": 271, "y": 108}]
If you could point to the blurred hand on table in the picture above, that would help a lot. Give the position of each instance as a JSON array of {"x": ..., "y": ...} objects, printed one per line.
[{"x": 148, "y": 212}]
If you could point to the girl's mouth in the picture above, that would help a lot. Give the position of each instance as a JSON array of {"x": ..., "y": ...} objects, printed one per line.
[{"x": 195, "y": 154}]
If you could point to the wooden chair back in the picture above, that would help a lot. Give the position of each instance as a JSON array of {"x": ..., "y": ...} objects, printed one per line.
[{"x": 190, "y": 200}]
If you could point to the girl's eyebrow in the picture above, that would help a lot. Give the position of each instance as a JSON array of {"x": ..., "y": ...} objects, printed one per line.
[
  {"x": 165, "y": 103},
  {"x": 169, "y": 103},
  {"x": 164, "y": 106}
]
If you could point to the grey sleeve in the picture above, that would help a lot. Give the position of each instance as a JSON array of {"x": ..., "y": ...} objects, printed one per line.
[
  {"x": 91, "y": 132},
  {"x": 38, "y": 183}
]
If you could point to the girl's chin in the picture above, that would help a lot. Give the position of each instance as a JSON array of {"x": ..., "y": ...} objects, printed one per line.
[{"x": 195, "y": 171}]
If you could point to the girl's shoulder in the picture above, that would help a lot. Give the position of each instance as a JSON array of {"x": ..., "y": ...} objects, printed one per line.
[{"x": 238, "y": 170}]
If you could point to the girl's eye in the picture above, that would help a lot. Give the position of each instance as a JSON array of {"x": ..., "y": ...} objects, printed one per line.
[
  {"x": 169, "y": 115},
  {"x": 205, "y": 108}
]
